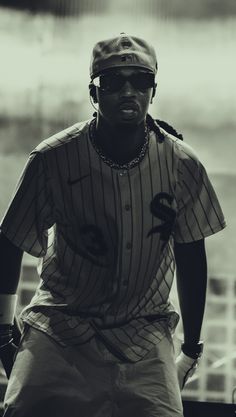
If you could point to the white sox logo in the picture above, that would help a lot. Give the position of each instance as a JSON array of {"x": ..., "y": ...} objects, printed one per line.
[{"x": 165, "y": 213}]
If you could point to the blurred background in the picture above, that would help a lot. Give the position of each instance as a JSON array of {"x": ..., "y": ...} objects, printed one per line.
[{"x": 45, "y": 50}]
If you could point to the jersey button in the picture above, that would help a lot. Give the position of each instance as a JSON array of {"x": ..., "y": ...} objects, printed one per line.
[
  {"x": 122, "y": 173},
  {"x": 128, "y": 245},
  {"x": 127, "y": 207}
]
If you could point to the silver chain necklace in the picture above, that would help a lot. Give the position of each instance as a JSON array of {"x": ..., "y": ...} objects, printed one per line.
[{"x": 107, "y": 160}]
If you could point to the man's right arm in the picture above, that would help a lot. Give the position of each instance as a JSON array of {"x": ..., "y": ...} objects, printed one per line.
[{"x": 10, "y": 266}]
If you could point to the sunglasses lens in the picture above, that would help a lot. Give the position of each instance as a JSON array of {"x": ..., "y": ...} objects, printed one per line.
[
  {"x": 112, "y": 83},
  {"x": 142, "y": 81}
]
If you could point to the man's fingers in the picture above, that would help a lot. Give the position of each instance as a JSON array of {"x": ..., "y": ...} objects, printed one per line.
[{"x": 186, "y": 367}]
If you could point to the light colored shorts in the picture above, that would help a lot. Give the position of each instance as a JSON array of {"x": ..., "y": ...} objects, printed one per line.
[{"x": 48, "y": 380}]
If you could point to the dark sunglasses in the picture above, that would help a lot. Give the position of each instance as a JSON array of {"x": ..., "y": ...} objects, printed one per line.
[{"x": 114, "y": 82}]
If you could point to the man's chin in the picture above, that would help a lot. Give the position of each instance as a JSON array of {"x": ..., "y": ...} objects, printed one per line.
[
  {"x": 127, "y": 125},
  {"x": 120, "y": 123},
  {"x": 127, "y": 122}
]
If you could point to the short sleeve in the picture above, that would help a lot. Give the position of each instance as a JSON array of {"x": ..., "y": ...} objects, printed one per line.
[
  {"x": 199, "y": 212},
  {"x": 29, "y": 215}
]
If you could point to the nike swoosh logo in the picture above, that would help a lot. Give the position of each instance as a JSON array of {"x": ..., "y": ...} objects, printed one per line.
[{"x": 72, "y": 182}]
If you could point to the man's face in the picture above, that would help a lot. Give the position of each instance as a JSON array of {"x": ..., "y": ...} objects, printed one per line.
[{"x": 124, "y": 96}]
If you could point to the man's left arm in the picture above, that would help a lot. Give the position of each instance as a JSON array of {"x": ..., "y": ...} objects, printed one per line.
[
  {"x": 199, "y": 215},
  {"x": 191, "y": 271},
  {"x": 191, "y": 267}
]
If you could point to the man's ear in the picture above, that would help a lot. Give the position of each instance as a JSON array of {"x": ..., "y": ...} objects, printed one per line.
[
  {"x": 153, "y": 92},
  {"x": 93, "y": 92}
]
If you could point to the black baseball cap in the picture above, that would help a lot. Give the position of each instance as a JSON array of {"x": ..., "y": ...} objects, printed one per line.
[{"x": 122, "y": 51}]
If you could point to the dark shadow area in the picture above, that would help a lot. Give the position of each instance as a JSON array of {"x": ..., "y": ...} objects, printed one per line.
[
  {"x": 208, "y": 409},
  {"x": 202, "y": 9},
  {"x": 62, "y": 8}
]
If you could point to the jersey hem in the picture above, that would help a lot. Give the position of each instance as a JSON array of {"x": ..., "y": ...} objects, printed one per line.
[{"x": 209, "y": 232}]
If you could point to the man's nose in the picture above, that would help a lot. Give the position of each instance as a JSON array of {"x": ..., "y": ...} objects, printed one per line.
[{"x": 127, "y": 89}]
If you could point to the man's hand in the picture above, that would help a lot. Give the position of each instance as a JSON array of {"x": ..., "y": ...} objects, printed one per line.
[
  {"x": 186, "y": 367},
  {"x": 9, "y": 341}
]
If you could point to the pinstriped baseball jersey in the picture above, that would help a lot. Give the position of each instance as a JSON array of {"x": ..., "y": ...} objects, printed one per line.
[{"x": 105, "y": 237}]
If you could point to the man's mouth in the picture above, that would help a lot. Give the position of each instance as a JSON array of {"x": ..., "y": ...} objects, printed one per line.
[
  {"x": 128, "y": 110},
  {"x": 128, "y": 106}
]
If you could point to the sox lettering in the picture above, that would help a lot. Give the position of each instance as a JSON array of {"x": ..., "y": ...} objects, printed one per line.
[{"x": 165, "y": 213}]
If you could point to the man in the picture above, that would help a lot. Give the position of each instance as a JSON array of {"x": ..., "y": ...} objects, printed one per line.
[{"x": 108, "y": 205}]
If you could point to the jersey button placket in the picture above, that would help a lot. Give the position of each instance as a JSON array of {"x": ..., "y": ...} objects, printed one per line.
[{"x": 127, "y": 219}]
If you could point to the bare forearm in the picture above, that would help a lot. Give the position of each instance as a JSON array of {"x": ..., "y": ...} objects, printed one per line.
[
  {"x": 192, "y": 305},
  {"x": 10, "y": 266},
  {"x": 191, "y": 285}
]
